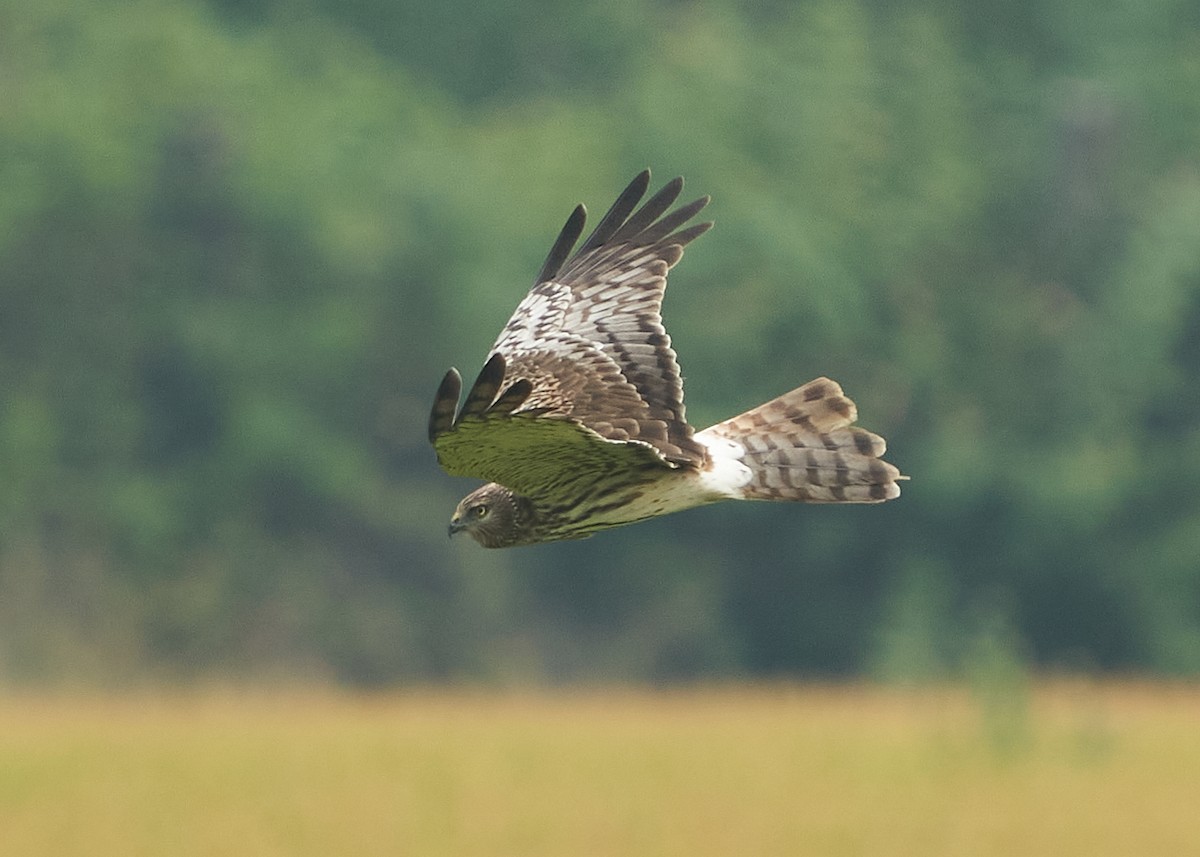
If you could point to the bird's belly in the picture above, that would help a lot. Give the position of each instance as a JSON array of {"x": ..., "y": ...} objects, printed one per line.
[{"x": 678, "y": 491}]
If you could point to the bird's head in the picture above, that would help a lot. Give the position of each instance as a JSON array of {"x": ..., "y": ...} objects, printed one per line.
[{"x": 494, "y": 516}]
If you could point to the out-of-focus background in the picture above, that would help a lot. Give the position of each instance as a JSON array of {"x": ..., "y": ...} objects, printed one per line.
[{"x": 240, "y": 242}]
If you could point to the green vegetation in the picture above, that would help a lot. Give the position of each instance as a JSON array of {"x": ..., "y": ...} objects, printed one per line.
[
  {"x": 1107, "y": 770},
  {"x": 241, "y": 241}
]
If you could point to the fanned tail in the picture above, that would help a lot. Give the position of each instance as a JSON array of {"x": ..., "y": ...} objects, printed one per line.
[{"x": 803, "y": 447}]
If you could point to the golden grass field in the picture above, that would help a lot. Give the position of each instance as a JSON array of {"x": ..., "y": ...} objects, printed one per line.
[{"x": 1083, "y": 769}]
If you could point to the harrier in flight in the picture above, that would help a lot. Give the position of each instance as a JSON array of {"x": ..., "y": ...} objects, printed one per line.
[{"x": 577, "y": 417}]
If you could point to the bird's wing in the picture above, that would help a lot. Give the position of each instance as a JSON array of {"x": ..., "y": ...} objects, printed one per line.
[
  {"x": 497, "y": 436},
  {"x": 589, "y": 338}
]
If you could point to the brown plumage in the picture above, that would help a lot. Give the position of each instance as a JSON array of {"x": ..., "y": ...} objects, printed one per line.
[
  {"x": 578, "y": 417},
  {"x": 802, "y": 446}
]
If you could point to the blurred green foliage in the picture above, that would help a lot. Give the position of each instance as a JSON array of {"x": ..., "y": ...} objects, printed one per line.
[{"x": 241, "y": 241}]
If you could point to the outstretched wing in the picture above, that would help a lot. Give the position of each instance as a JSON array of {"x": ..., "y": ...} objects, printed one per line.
[
  {"x": 590, "y": 381},
  {"x": 501, "y": 439},
  {"x": 589, "y": 336}
]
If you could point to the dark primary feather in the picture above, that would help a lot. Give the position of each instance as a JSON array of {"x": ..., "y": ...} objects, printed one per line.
[
  {"x": 512, "y": 398},
  {"x": 570, "y": 233},
  {"x": 445, "y": 405},
  {"x": 618, "y": 212},
  {"x": 483, "y": 391}
]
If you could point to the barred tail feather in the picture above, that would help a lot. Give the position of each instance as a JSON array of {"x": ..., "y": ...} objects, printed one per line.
[{"x": 803, "y": 447}]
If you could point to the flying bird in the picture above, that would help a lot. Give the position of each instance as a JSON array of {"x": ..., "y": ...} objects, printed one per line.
[{"x": 577, "y": 417}]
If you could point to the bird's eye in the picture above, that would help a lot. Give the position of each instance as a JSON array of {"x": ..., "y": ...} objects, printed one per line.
[{"x": 479, "y": 511}]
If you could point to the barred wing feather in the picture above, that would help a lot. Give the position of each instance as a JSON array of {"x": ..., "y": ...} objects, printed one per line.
[{"x": 589, "y": 335}]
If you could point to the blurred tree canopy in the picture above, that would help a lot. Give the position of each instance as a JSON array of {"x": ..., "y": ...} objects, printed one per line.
[{"x": 241, "y": 241}]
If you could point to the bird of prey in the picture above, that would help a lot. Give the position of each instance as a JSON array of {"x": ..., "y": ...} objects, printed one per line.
[{"x": 577, "y": 417}]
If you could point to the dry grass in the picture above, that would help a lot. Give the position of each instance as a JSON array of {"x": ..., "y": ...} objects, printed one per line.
[{"x": 1087, "y": 770}]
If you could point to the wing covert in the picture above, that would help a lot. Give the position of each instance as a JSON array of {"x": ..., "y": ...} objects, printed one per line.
[{"x": 521, "y": 447}]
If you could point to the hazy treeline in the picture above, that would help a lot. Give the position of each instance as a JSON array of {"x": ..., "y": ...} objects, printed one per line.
[{"x": 241, "y": 241}]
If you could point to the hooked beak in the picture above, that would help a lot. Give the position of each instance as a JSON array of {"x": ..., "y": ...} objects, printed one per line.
[{"x": 456, "y": 526}]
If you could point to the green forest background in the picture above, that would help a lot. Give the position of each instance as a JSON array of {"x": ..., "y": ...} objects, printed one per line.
[{"x": 240, "y": 242}]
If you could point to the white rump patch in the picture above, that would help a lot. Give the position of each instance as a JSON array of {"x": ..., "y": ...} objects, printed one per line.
[{"x": 728, "y": 475}]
